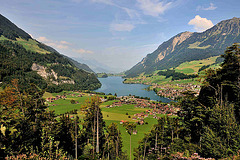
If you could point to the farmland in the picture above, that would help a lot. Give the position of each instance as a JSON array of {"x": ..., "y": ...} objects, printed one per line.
[{"x": 110, "y": 115}]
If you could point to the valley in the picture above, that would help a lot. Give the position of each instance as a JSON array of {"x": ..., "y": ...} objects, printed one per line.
[
  {"x": 181, "y": 101},
  {"x": 119, "y": 110}
]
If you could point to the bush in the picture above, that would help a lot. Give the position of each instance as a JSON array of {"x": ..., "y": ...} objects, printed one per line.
[{"x": 73, "y": 101}]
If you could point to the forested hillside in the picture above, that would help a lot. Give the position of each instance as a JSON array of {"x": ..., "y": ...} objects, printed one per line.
[
  {"x": 189, "y": 46},
  {"x": 206, "y": 126},
  {"x": 29, "y": 61}
]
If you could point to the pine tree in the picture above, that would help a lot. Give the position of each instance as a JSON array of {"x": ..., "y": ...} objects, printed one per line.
[{"x": 93, "y": 126}]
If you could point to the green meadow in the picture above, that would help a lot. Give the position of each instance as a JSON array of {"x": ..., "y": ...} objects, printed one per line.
[
  {"x": 30, "y": 45},
  {"x": 141, "y": 130},
  {"x": 116, "y": 114},
  {"x": 110, "y": 115},
  {"x": 192, "y": 67},
  {"x": 62, "y": 106}
]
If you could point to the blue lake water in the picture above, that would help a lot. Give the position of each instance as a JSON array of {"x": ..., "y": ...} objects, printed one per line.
[{"x": 114, "y": 85}]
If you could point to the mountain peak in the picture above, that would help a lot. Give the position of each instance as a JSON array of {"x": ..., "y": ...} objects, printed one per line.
[{"x": 188, "y": 46}]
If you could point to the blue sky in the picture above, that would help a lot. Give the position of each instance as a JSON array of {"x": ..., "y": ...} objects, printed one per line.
[{"x": 117, "y": 33}]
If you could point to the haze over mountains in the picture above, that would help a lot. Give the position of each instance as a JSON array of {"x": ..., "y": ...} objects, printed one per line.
[
  {"x": 188, "y": 46},
  {"x": 97, "y": 66}
]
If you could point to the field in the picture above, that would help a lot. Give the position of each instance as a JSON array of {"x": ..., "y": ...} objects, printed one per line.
[
  {"x": 110, "y": 115},
  {"x": 62, "y": 106},
  {"x": 192, "y": 67},
  {"x": 30, "y": 45},
  {"x": 116, "y": 114}
]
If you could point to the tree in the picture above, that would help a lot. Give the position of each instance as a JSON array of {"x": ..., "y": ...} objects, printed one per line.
[
  {"x": 113, "y": 144},
  {"x": 130, "y": 127},
  {"x": 224, "y": 84},
  {"x": 93, "y": 125},
  {"x": 23, "y": 117}
]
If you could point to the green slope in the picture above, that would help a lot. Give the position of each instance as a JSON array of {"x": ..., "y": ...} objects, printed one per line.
[
  {"x": 29, "y": 61},
  {"x": 188, "y": 46}
]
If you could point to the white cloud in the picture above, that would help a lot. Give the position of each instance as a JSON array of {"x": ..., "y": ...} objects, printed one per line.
[
  {"x": 133, "y": 15},
  {"x": 122, "y": 27},
  {"x": 153, "y": 7},
  {"x": 54, "y": 44},
  {"x": 65, "y": 42},
  {"x": 200, "y": 24},
  {"x": 211, "y": 7},
  {"x": 43, "y": 39},
  {"x": 83, "y": 51}
]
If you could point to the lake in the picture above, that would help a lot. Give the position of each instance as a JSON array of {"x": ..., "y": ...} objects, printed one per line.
[{"x": 115, "y": 85}]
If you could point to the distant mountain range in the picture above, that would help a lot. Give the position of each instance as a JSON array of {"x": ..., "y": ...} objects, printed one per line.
[
  {"x": 30, "y": 61},
  {"x": 98, "y": 67},
  {"x": 188, "y": 46}
]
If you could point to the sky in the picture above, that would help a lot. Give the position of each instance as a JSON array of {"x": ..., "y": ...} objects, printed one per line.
[{"x": 116, "y": 33}]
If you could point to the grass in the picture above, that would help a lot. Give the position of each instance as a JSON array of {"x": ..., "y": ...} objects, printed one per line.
[
  {"x": 29, "y": 45},
  {"x": 121, "y": 113},
  {"x": 196, "y": 46},
  {"x": 110, "y": 115},
  {"x": 192, "y": 67},
  {"x": 47, "y": 95},
  {"x": 141, "y": 130},
  {"x": 63, "y": 106},
  {"x": 108, "y": 103}
]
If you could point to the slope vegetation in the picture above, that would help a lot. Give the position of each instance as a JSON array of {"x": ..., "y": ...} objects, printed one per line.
[
  {"x": 188, "y": 46},
  {"x": 30, "y": 61}
]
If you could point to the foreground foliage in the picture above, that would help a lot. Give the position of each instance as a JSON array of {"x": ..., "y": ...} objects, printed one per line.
[
  {"x": 208, "y": 124},
  {"x": 30, "y": 131}
]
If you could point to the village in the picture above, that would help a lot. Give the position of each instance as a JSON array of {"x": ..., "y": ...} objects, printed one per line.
[
  {"x": 153, "y": 108},
  {"x": 175, "y": 92},
  {"x": 172, "y": 91}
]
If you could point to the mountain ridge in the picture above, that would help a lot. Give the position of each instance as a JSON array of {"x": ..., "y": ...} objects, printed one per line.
[
  {"x": 30, "y": 61},
  {"x": 188, "y": 46}
]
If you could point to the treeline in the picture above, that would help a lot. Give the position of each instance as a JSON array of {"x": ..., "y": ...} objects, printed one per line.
[
  {"x": 175, "y": 75},
  {"x": 207, "y": 124},
  {"x": 16, "y": 63},
  {"x": 30, "y": 131}
]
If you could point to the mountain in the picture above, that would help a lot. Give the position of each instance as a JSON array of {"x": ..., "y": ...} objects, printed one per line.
[
  {"x": 80, "y": 65},
  {"x": 10, "y": 30},
  {"x": 30, "y": 61},
  {"x": 189, "y": 46},
  {"x": 98, "y": 67},
  {"x": 77, "y": 64}
]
